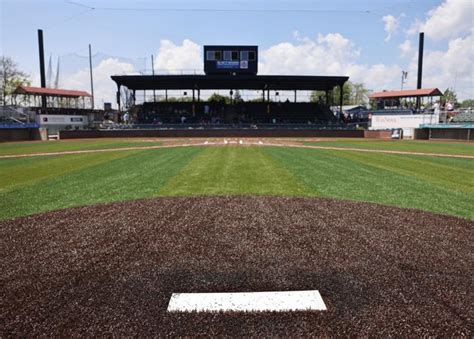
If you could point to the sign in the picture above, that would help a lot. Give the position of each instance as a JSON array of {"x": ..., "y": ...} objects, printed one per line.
[
  {"x": 227, "y": 64},
  {"x": 244, "y": 64},
  {"x": 402, "y": 121},
  {"x": 53, "y": 119}
]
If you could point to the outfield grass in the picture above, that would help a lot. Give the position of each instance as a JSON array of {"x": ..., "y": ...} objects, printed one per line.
[
  {"x": 32, "y": 185},
  {"x": 460, "y": 148},
  {"x": 71, "y": 145}
]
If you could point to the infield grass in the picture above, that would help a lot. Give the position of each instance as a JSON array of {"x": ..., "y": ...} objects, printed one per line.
[{"x": 39, "y": 184}]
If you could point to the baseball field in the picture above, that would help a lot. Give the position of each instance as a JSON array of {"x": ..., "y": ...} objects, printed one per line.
[{"x": 95, "y": 235}]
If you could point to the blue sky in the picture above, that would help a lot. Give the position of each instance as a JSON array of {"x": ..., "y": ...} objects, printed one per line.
[{"x": 370, "y": 40}]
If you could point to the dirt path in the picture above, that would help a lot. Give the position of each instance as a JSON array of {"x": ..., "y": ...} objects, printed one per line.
[
  {"x": 236, "y": 142},
  {"x": 111, "y": 269}
]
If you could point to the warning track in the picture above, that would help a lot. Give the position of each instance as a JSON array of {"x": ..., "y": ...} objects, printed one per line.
[
  {"x": 111, "y": 269},
  {"x": 238, "y": 142}
]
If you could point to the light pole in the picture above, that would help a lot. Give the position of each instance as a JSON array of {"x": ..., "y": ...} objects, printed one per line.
[{"x": 404, "y": 78}]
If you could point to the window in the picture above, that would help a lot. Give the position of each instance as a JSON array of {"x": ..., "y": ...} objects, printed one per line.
[
  {"x": 211, "y": 55},
  {"x": 244, "y": 55},
  {"x": 251, "y": 56},
  {"x": 227, "y": 55},
  {"x": 235, "y": 56},
  {"x": 218, "y": 55}
]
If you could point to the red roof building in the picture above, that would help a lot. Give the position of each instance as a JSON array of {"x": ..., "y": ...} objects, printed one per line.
[
  {"x": 51, "y": 92},
  {"x": 409, "y": 93}
]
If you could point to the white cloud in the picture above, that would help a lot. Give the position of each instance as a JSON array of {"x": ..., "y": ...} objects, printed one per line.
[
  {"x": 172, "y": 58},
  {"x": 327, "y": 54},
  {"x": 451, "y": 18},
  {"x": 406, "y": 48},
  {"x": 104, "y": 87},
  {"x": 330, "y": 54},
  {"x": 453, "y": 67},
  {"x": 390, "y": 26}
]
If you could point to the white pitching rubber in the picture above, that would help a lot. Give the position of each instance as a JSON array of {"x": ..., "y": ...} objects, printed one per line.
[{"x": 247, "y": 302}]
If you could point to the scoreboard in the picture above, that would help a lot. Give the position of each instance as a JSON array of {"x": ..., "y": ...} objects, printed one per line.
[{"x": 231, "y": 60}]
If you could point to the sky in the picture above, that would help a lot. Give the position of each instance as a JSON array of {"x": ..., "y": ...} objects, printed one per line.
[{"x": 371, "y": 41}]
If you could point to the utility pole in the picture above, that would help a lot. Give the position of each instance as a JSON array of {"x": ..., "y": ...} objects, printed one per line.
[
  {"x": 41, "y": 62},
  {"x": 92, "y": 80}
]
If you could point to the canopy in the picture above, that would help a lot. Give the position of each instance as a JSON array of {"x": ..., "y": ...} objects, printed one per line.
[
  {"x": 409, "y": 93},
  {"x": 52, "y": 92}
]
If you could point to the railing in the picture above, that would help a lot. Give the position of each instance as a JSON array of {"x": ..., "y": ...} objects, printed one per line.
[
  {"x": 227, "y": 126},
  {"x": 16, "y": 114}
]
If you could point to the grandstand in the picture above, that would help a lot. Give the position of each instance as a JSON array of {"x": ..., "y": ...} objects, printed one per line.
[
  {"x": 231, "y": 68},
  {"x": 466, "y": 116}
]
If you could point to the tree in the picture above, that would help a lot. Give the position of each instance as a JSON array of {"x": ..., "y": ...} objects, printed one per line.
[
  {"x": 450, "y": 96},
  {"x": 216, "y": 97},
  {"x": 10, "y": 78},
  {"x": 353, "y": 94},
  {"x": 314, "y": 97},
  {"x": 347, "y": 94},
  {"x": 359, "y": 95},
  {"x": 468, "y": 103}
]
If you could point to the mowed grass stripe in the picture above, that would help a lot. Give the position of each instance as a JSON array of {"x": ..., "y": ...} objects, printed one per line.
[
  {"x": 29, "y": 171},
  {"x": 375, "y": 178},
  {"x": 71, "y": 145},
  {"x": 455, "y": 148},
  {"x": 452, "y": 174},
  {"x": 137, "y": 174},
  {"x": 233, "y": 171}
]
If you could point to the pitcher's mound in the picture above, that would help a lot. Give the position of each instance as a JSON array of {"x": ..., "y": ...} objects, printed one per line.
[{"x": 111, "y": 269}]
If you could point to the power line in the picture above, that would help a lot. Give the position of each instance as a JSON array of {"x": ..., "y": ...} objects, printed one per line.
[{"x": 231, "y": 10}]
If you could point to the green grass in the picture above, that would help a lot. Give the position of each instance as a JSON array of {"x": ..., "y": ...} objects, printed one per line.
[
  {"x": 97, "y": 178},
  {"x": 236, "y": 170},
  {"x": 39, "y": 184},
  {"x": 71, "y": 145},
  {"x": 437, "y": 147},
  {"x": 442, "y": 185}
]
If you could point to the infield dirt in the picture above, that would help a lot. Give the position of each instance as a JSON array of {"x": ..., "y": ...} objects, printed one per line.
[{"x": 111, "y": 269}]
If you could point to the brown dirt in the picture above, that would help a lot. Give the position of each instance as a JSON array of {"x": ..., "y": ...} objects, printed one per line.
[
  {"x": 233, "y": 142},
  {"x": 111, "y": 269}
]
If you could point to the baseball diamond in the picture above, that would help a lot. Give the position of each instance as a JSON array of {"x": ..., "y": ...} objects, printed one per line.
[{"x": 114, "y": 232}]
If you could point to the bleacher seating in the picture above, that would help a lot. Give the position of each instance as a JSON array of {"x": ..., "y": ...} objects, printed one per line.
[
  {"x": 245, "y": 112},
  {"x": 467, "y": 116}
]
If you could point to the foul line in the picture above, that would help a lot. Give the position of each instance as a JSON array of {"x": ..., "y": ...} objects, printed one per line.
[
  {"x": 331, "y": 148},
  {"x": 237, "y": 143}
]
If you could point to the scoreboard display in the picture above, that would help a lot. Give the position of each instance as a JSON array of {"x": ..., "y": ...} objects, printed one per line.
[{"x": 231, "y": 60}]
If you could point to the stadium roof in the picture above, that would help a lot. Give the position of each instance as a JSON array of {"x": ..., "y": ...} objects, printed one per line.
[
  {"x": 424, "y": 92},
  {"x": 52, "y": 92},
  {"x": 250, "y": 82}
]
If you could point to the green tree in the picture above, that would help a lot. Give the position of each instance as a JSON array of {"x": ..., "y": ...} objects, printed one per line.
[
  {"x": 314, "y": 97},
  {"x": 347, "y": 94},
  {"x": 216, "y": 97},
  {"x": 10, "y": 78},
  {"x": 359, "y": 94},
  {"x": 450, "y": 96},
  {"x": 467, "y": 103}
]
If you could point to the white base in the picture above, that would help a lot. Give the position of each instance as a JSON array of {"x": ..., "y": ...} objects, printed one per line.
[{"x": 247, "y": 301}]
